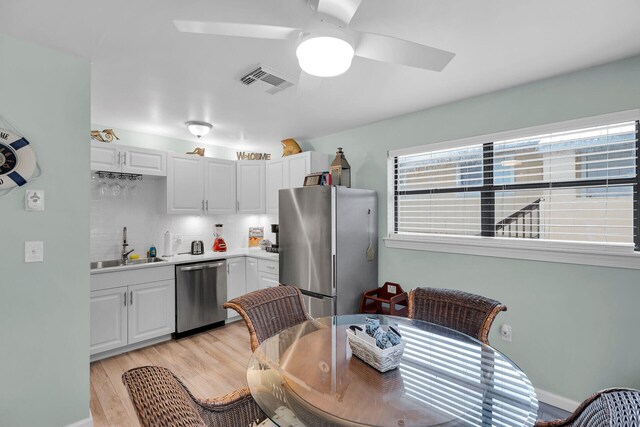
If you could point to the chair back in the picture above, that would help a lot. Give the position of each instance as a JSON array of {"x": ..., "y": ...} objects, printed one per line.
[
  {"x": 159, "y": 399},
  {"x": 607, "y": 408},
  {"x": 467, "y": 313},
  {"x": 269, "y": 311}
]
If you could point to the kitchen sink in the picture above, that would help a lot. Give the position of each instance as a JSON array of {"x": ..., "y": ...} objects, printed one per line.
[{"x": 118, "y": 263}]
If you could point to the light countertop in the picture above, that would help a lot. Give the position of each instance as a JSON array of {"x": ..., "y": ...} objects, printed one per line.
[{"x": 187, "y": 258}]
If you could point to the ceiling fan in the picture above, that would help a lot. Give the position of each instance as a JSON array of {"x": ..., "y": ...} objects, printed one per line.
[{"x": 326, "y": 44}]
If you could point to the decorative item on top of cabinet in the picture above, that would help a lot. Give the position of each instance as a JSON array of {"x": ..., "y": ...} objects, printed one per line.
[
  {"x": 289, "y": 147},
  {"x": 341, "y": 170},
  {"x": 197, "y": 151},
  {"x": 109, "y": 134}
]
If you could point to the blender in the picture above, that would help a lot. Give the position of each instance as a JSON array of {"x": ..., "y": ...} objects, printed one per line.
[{"x": 219, "y": 244}]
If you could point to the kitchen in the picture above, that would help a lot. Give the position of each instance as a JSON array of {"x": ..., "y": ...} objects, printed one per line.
[
  {"x": 140, "y": 73},
  {"x": 185, "y": 202}
]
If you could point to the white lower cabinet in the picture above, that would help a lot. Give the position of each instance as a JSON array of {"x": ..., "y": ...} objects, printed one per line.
[
  {"x": 151, "y": 310},
  {"x": 236, "y": 281},
  {"x": 251, "y": 275},
  {"x": 267, "y": 280},
  {"x": 108, "y": 319},
  {"x": 129, "y": 307}
]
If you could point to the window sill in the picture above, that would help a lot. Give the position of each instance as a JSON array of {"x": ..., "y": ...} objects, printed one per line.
[{"x": 583, "y": 254}]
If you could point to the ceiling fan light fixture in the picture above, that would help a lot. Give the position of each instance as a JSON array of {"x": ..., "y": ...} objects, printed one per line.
[
  {"x": 197, "y": 128},
  {"x": 324, "y": 56}
]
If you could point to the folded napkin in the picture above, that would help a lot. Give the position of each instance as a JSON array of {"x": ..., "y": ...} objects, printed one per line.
[{"x": 383, "y": 339}]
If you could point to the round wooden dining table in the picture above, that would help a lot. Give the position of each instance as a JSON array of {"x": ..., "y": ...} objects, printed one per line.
[{"x": 307, "y": 376}]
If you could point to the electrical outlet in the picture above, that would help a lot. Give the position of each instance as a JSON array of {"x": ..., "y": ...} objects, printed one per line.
[{"x": 505, "y": 332}]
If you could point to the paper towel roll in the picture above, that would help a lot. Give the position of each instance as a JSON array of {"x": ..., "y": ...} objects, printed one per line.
[{"x": 168, "y": 244}]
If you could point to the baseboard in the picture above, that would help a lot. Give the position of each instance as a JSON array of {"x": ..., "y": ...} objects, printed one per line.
[
  {"x": 557, "y": 401},
  {"x": 87, "y": 422},
  {"x": 127, "y": 348}
]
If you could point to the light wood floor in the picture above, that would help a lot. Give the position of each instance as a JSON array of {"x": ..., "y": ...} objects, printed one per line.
[{"x": 210, "y": 364}]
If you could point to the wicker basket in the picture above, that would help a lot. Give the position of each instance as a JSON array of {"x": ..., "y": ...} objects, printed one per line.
[{"x": 367, "y": 351}]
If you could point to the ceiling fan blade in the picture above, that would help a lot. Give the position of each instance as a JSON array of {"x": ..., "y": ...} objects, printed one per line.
[
  {"x": 236, "y": 29},
  {"x": 340, "y": 9},
  {"x": 398, "y": 51}
]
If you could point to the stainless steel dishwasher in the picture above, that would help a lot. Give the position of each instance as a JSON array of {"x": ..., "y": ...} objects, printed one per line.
[{"x": 201, "y": 289}]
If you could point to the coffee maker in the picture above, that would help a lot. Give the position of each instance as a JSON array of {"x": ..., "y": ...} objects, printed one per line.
[{"x": 275, "y": 229}]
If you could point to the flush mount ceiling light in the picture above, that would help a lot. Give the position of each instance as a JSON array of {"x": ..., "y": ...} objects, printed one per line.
[
  {"x": 197, "y": 128},
  {"x": 324, "y": 56}
]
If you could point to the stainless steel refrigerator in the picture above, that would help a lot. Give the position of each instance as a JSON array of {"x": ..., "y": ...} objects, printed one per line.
[{"x": 329, "y": 246}]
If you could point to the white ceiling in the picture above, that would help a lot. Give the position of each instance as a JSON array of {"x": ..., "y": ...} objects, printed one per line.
[{"x": 148, "y": 77}]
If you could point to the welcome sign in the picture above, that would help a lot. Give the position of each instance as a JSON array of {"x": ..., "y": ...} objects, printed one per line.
[{"x": 253, "y": 156}]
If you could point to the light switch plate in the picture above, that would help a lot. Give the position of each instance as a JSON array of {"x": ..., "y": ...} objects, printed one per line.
[
  {"x": 34, "y": 200},
  {"x": 34, "y": 251}
]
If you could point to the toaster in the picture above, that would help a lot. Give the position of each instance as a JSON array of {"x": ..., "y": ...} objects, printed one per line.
[{"x": 197, "y": 247}]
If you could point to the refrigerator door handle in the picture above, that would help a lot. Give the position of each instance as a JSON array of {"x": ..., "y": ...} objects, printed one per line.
[
  {"x": 313, "y": 294},
  {"x": 335, "y": 271}
]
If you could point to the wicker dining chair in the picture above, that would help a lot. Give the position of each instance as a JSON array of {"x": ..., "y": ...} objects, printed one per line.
[
  {"x": 468, "y": 313},
  {"x": 269, "y": 311},
  {"x": 606, "y": 408},
  {"x": 162, "y": 400}
]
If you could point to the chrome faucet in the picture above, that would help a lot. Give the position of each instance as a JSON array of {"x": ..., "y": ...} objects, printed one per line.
[{"x": 125, "y": 254}]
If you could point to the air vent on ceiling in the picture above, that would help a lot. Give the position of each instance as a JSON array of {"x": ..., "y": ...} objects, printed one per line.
[{"x": 268, "y": 78}]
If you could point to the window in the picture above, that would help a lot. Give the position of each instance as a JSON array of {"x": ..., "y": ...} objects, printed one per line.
[{"x": 575, "y": 185}]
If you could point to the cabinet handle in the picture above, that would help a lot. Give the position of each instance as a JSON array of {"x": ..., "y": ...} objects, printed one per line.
[
  {"x": 131, "y": 298},
  {"x": 119, "y": 158},
  {"x": 207, "y": 205},
  {"x": 203, "y": 205},
  {"x": 125, "y": 158},
  {"x": 125, "y": 298},
  {"x": 227, "y": 268},
  {"x": 238, "y": 205}
]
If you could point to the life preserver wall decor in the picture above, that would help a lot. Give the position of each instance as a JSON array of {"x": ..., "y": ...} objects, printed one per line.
[{"x": 17, "y": 160}]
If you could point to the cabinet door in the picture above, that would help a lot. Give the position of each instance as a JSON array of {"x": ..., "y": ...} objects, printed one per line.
[
  {"x": 144, "y": 161},
  {"x": 252, "y": 275},
  {"x": 108, "y": 319},
  {"x": 220, "y": 186},
  {"x": 267, "y": 280},
  {"x": 185, "y": 184},
  {"x": 251, "y": 186},
  {"x": 151, "y": 310},
  {"x": 277, "y": 179},
  {"x": 236, "y": 283},
  {"x": 299, "y": 167},
  {"x": 105, "y": 157}
]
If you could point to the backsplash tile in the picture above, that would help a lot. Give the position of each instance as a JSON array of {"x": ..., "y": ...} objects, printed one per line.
[{"x": 142, "y": 212}]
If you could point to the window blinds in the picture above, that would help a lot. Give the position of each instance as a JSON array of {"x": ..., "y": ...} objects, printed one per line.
[{"x": 577, "y": 185}]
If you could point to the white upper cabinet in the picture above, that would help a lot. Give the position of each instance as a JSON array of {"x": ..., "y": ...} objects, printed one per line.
[
  {"x": 299, "y": 167},
  {"x": 289, "y": 172},
  {"x": 185, "y": 184},
  {"x": 121, "y": 158},
  {"x": 105, "y": 157},
  {"x": 144, "y": 161},
  {"x": 277, "y": 179},
  {"x": 220, "y": 186},
  {"x": 251, "y": 186}
]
